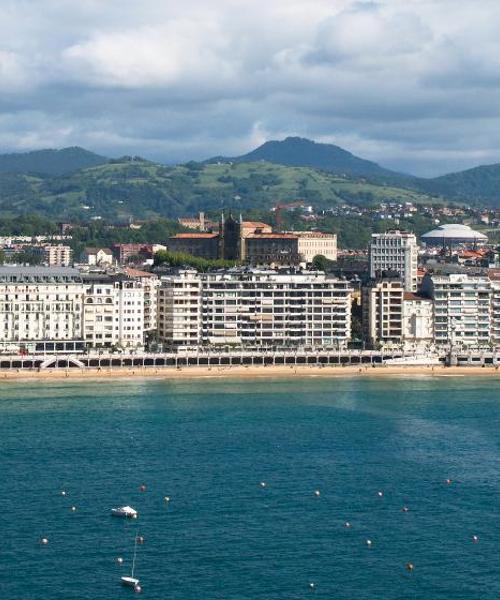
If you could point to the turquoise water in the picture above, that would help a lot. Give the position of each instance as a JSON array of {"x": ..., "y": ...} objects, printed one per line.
[{"x": 208, "y": 445}]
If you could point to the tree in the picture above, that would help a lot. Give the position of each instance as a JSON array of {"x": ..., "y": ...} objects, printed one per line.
[{"x": 321, "y": 263}]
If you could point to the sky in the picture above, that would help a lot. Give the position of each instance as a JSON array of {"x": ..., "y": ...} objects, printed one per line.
[{"x": 411, "y": 84}]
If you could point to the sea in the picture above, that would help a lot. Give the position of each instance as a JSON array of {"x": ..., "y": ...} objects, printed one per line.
[{"x": 251, "y": 489}]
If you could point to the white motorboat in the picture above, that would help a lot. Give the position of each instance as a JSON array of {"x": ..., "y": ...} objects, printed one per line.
[
  {"x": 126, "y": 512},
  {"x": 130, "y": 581}
]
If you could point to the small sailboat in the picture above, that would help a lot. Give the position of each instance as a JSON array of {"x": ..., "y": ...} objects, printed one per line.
[
  {"x": 126, "y": 512},
  {"x": 130, "y": 580}
]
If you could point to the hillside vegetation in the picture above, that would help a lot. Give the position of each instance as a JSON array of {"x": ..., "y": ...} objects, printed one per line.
[
  {"x": 50, "y": 162},
  {"x": 134, "y": 188}
]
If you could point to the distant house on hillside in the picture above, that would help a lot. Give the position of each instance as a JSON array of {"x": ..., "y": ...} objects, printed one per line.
[{"x": 97, "y": 256}]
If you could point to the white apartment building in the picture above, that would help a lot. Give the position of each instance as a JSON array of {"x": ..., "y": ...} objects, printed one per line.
[
  {"x": 462, "y": 309},
  {"x": 254, "y": 307},
  {"x": 179, "y": 309},
  {"x": 494, "y": 277},
  {"x": 395, "y": 251},
  {"x": 150, "y": 284},
  {"x": 314, "y": 243},
  {"x": 113, "y": 313},
  {"x": 418, "y": 320},
  {"x": 40, "y": 304}
]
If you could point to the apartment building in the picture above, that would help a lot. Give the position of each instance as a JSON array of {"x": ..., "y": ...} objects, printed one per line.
[
  {"x": 254, "y": 307},
  {"x": 382, "y": 311},
  {"x": 40, "y": 304},
  {"x": 150, "y": 283},
  {"x": 113, "y": 312},
  {"x": 179, "y": 309},
  {"x": 462, "y": 308},
  {"x": 395, "y": 252},
  {"x": 57, "y": 255},
  {"x": 418, "y": 320},
  {"x": 494, "y": 277}
]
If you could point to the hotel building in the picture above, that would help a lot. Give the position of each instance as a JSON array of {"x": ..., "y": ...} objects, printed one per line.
[{"x": 40, "y": 304}]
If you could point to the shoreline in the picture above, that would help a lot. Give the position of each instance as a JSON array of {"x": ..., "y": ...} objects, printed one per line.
[{"x": 250, "y": 372}]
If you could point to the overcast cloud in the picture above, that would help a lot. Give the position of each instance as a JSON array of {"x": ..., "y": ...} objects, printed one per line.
[{"x": 412, "y": 84}]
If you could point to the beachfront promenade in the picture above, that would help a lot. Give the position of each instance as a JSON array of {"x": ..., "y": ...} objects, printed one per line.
[{"x": 242, "y": 358}]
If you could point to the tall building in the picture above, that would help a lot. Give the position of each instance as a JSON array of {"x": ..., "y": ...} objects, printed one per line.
[
  {"x": 150, "y": 283},
  {"x": 180, "y": 309},
  {"x": 395, "y": 252},
  {"x": 462, "y": 308},
  {"x": 230, "y": 235},
  {"x": 113, "y": 312},
  {"x": 254, "y": 307},
  {"x": 494, "y": 276},
  {"x": 382, "y": 311},
  {"x": 40, "y": 304}
]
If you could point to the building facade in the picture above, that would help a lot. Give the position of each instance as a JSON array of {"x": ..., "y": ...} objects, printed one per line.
[
  {"x": 97, "y": 257},
  {"x": 40, "y": 304},
  {"x": 113, "y": 312},
  {"x": 382, "y": 312},
  {"x": 315, "y": 243},
  {"x": 204, "y": 245},
  {"x": 179, "y": 309},
  {"x": 150, "y": 283},
  {"x": 395, "y": 252},
  {"x": 418, "y": 320},
  {"x": 272, "y": 249},
  {"x": 57, "y": 255},
  {"x": 462, "y": 309},
  {"x": 254, "y": 307}
]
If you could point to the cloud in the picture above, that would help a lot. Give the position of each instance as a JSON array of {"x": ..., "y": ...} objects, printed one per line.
[{"x": 414, "y": 84}]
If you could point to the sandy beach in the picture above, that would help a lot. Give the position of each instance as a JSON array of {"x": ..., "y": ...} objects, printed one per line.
[{"x": 251, "y": 372}]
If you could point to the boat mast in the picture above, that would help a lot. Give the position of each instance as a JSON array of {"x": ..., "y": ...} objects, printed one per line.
[{"x": 135, "y": 552}]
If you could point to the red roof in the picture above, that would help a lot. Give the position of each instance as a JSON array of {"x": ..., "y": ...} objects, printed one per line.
[
  {"x": 137, "y": 273},
  {"x": 188, "y": 236},
  {"x": 274, "y": 236}
]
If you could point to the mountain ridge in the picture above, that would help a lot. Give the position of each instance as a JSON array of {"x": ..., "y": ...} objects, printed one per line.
[
  {"x": 296, "y": 151},
  {"x": 478, "y": 185},
  {"x": 50, "y": 161}
]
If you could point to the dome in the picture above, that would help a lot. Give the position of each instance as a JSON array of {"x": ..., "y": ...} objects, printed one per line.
[{"x": 456, "y": 233}]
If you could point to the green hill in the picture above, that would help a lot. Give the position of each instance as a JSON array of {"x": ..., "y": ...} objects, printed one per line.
[
  {"x": 50, "y": 162},
  {"x": 126, "y": 188},
  {"x": 301, "y": 152},
  {"x": 480, "y": 185}
]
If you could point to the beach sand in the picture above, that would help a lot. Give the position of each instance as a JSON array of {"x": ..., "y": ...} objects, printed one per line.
[{"x": 250, "y": 372}]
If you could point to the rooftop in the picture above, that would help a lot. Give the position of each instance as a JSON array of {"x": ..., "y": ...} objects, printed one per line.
[
  {"x": 188, "y": 236},
  {"x": 283, "y": 236},
  {"x": 39, "y": 275},
  {"x": 454, "y": 231}
]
